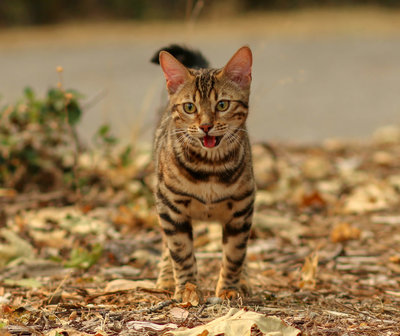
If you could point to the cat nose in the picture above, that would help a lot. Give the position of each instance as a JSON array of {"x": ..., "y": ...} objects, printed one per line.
[{"x": 206, "y": 127}]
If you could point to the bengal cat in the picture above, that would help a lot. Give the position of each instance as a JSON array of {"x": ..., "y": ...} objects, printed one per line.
[{"x": 204, "y": 165}]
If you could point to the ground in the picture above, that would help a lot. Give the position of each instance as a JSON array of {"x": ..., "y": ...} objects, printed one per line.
[{"x": 324, "y": 253}]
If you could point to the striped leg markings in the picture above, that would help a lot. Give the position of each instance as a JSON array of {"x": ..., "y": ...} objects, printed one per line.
[
  {"x": 165, "y": 278},
  {"x": 179, "y": 239},
  {"x": 235, "y": 236}
]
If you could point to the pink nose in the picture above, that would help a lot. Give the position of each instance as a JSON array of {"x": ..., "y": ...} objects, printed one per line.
[{"x": 206, "y": 127}]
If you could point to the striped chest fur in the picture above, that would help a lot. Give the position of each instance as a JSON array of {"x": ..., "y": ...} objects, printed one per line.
[{"x": 204, "y": 168}]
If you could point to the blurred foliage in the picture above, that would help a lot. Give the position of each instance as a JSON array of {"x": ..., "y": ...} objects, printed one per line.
[
  {"x": 84, "y": 258},
  {"x": 40, "y": 149},
  {"x": 38, "y": 139},
  {"x": 28, "y": 12}
]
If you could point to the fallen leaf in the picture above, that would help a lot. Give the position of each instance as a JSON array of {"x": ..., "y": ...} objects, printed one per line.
[
  {"x": 69, "y": 332},
  {"x": 309, "y": 272},
  {"x": 191, "y": 294},
  {"x": 387, "y": 135},
  {"x": 16, "y": 247},
  {"x": 8, "y": 193},
  {"x": 396, "y": 294},
  {"x": 140, "y": 325},
  {"x": 122, "y": 284},
  {"x": 390, "y": 220},
  {"x": 370, "y": 197},
  {"x": 178, "y": 313},
  {"x": 313, "y": 200},
  {"x": 28, "y": 283},
  {"x": 240, "y": 322},
  {"x": 343, "y": 232},
  {"x": 317, "y": 168},
  {"x": 55, "y": 238}
]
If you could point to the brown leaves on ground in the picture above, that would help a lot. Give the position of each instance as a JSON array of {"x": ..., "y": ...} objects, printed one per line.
[
  {"x": 343, "y": 232},
  {"x": 309, "y": 272},
  {"x": 323, "y": 254}
]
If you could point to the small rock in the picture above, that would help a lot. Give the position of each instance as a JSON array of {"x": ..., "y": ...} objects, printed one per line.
[{"x": 214, "y": 300}]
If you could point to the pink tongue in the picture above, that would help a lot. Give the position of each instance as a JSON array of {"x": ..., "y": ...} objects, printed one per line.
[{"x": 209, "y": 141}]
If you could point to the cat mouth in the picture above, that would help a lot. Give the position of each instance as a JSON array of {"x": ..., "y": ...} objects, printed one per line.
[{"x": 210, "y": 141}]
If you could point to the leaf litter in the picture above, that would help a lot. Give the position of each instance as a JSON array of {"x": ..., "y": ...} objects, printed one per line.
[{"x": 79, "y": 242}]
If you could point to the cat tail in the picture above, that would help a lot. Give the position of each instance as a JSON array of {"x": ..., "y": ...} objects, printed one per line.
[{"x": 188, "y": 57}]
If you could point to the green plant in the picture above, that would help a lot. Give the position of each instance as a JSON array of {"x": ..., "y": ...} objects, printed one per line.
[
  {"x": 84, "y": 258},
  {"x": 38, "y": 140}
]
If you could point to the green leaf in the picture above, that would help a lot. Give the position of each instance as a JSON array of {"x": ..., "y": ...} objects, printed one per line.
[
  {"x": 29, "y": 94},
  {"x": 74, "y": 113},
  {"x": 103, "y": 130},
  {"x": 125, "y": 156},
  {"x": 26, "y": 283},
  {"x": 83, "y": 258}
]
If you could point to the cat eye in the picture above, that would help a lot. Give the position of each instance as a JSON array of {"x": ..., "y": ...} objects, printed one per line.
[
  {"x": 189, "y": 107},
  {"x": 222, "y": 105}
]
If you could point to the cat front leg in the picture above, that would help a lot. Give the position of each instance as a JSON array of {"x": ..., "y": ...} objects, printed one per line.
[
  {"x": 178, "y": 235},
  {"x": 165, "y": 278},
  {"x": 236, "y": 233}
]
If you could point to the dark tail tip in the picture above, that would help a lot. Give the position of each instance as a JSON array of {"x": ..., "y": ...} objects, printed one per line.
[{"x": 189, "y": 58}]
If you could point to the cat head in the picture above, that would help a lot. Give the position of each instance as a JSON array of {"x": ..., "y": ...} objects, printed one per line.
[{"x": 209, "y": 106}]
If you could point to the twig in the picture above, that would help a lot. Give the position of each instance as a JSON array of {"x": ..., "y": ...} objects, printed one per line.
[
  {"x": 150, "y": 310},
  {"x": 58, "y": 288}
]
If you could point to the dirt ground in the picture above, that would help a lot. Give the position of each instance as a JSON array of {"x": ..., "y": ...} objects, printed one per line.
[{"x": 324, "y": 253}]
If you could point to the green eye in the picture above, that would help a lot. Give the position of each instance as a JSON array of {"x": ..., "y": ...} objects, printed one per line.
[
  {"x": 222, "y": 105},
  {"x": 189, "y": 107}
]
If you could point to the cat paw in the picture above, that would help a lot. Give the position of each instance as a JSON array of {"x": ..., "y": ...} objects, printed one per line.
[
  {"x": 233, "y": 292},
  {"x": 189, "y": 293},
  {"x": 166, "y": 284},
  {"x": 228, "y": 294}
]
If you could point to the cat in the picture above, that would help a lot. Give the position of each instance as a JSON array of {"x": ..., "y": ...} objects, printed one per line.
[{"x": 203, "y": 166}]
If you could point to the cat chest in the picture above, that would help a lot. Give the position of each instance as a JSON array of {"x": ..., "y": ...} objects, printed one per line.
[
  {"x": 210, "y": 211},
  {"x": 213, "y": 202}
]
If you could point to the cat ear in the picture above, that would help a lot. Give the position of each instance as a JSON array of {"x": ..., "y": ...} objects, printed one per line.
[
  {"x": 238, "y": 69},
  {"x": 174, "y": 71}
]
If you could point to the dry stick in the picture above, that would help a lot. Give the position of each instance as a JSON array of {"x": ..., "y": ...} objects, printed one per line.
[
  {"x": 150, "y": 310},
  {"x": 358, "y": 311},
  {"x": 58, "y": 287}
]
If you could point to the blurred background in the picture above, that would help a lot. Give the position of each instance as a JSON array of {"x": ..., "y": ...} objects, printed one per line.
[{"x": 322, "y": 69}]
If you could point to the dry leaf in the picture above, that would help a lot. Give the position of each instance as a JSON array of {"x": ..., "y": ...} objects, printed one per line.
[
  {"x": 313, "y": 200},
  {"x": 343, "y": 232},
  {"x": 122, "y": 284},
  {"x": 395, "y": 259},
  {"x": 309, "y": 272},
  {"x": 191, "y": 294},
  {"x": 140, "y": 325},
  {"x": 8, "y": 193},
  {"x": 370, "y": 197},
  {"x": 178, "y": 313},
  {"x": 316, "y": 168},
  {"x": 387, "y": 135},
  {"x": 240, "y": 322},
  {"x": 69, "y": 332},
  {"x": 16, "y": 247}
]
